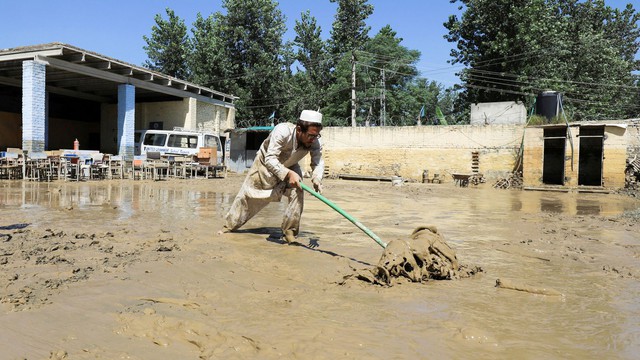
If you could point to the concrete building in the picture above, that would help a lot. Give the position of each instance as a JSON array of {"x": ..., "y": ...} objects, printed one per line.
[
  {"x": 244, "y": 144},
  {"x": 498, "y": 113},
  {"x": 52, "y": 94},
  {"x": 583, "y": 155}
]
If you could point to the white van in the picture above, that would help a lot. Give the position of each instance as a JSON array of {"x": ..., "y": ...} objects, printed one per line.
[{"x": 176, "y": 142}]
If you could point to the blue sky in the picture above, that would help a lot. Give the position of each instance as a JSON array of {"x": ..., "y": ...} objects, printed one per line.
[{"x": 115, "y": 27}]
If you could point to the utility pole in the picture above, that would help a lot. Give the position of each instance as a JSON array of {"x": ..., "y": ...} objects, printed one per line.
[
  {"x": 383, "y": 102},
  {"x": 353, "y": 88}
]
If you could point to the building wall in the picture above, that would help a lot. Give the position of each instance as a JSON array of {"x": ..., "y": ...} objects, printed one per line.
[
  {"x": 408, "y": 151},
  {"x": 171, "y": 113},
  {"x": 618, "y": 142},
  {"x": 211, "y": 117},
  {"x": 10, "y": 130},
  {"x": 60, "y": 136},
  {"x": 187, "y": 113},
  {"x": 614, "y": 156},
  {"x": 65, "y": 131},
  {"x": 494, "y": 113},
  {"x": 238, "y": 158},
  {"x": 533, "y": 155}
]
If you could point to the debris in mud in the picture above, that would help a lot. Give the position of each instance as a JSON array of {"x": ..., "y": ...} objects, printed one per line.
[
  {"x": 506, "y": 284},
  {"x": 513, "y": 181},
  {"x": 424, "y": 256}
]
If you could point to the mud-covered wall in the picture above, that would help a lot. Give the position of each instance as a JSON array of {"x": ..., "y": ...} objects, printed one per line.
[
  {"x": 533, "y": 155},
  {"x": 408, "y": 151},
  {"x": 614, "y": 156},
  {"x": 617, "y": 143}
]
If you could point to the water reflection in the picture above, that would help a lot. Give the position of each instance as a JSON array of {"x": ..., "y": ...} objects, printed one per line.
[
  {"x": 551, "y": 205},
  {"x": 125, "y": 198},
  {"x": 588, "y": 207}
]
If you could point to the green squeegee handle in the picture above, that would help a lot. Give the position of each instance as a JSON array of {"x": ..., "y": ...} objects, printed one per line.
[{"x": 343, "y": 213}]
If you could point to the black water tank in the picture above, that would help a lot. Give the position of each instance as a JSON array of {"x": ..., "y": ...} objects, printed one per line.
[{"x": 548, "y": 104}]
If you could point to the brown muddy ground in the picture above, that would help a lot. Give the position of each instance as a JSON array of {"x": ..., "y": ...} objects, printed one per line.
[{"x": 134, "y": 270}]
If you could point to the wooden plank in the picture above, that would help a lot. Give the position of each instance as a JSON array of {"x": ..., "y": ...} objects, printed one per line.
[{"x": 364, "y": 177}]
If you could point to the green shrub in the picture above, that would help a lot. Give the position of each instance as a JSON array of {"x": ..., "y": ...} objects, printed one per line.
[{"x": 537, "y": 120}]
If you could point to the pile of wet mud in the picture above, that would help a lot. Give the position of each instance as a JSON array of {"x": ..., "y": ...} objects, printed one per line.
[{"x": 424, "y": 256}]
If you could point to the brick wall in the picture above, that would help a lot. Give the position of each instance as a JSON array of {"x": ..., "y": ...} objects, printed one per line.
[
  {"x": 408, "y": 151},
  {"x": 618, "y": 145}
]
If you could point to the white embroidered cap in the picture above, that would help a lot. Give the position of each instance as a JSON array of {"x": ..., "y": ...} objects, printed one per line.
[{"x": 311, "y": 116}]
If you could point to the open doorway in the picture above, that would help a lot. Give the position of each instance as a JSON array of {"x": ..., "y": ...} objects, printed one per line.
[
  {"x": 590, "y": 161},
  {"x": 553, "y": 159}
]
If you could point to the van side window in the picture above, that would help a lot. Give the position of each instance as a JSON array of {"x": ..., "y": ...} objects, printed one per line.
[
  {"x": 183, "y": 141},
  {"x": 155, "y": 139},
  {"x": 212, "y": 142}
]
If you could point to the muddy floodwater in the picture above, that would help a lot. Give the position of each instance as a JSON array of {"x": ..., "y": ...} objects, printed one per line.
[{"x": 135, "y": 270}]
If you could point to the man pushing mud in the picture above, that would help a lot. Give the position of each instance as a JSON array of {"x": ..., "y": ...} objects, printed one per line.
[{"x": 276, "y": 172}]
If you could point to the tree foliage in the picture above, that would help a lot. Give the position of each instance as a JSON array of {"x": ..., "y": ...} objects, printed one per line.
[
  {"x": 515, "y": 49},
  {"x": 314, "y": 75},
  {"x": 350, "y": 31},
  {"x": 206, "y": 61},
  {"x": 250, "y": 34},
  {"x": 241, "y": 52},
  {"x": 168, "y": 47}
]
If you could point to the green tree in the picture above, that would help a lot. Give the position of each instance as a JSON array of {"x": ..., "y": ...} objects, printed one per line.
[
  {"x": 394, "y": 69},
  {"x": 349, "y": 33},
  {"x": 312, "y": 80},
  {"x": 389, "y": 91},
  {"x": 515, "y": 49},
  {"x": 206, "y": 61},
  {"x": 599, "y": 60},
  {"x": 250, "y": 36},
  {"x": 168, "y": 47}
]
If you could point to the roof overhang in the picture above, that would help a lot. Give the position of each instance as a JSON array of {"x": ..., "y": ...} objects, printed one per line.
[
  {"x": 250, "y": 129},
  {"x": 83, "y": 74}
]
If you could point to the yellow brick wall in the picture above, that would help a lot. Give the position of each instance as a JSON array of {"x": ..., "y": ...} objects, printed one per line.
[
  {"x": 615, "y": 157},
  {"x": 408, "y": 151},
  {"x": 618, "y": 141},
  {"x": 533, "y": 155}
]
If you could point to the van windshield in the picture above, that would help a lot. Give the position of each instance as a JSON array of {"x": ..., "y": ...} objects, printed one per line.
[
  {"x": 155, "y": 139},
  {"x": 212, "y": 142},
  {"x": 183, "y": 141}
]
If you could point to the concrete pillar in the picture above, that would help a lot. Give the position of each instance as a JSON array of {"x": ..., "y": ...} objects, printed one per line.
[
  {"x": 191, "y": 120},
  {"x": 126, "y": 120},
  {"x": 46, "y": 120},
  {"x": 33, "y": 106}
]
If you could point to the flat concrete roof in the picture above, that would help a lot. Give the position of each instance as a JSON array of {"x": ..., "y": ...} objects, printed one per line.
[{"x": 84, "y": 74}]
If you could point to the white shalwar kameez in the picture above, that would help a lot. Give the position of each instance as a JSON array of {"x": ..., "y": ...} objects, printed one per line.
[{"x": 266, "y": 180}]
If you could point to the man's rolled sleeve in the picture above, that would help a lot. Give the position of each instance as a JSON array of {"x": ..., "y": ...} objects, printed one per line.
[
  {"x": 317, "y": 162},
  {"x": 279, "y": 138}
]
